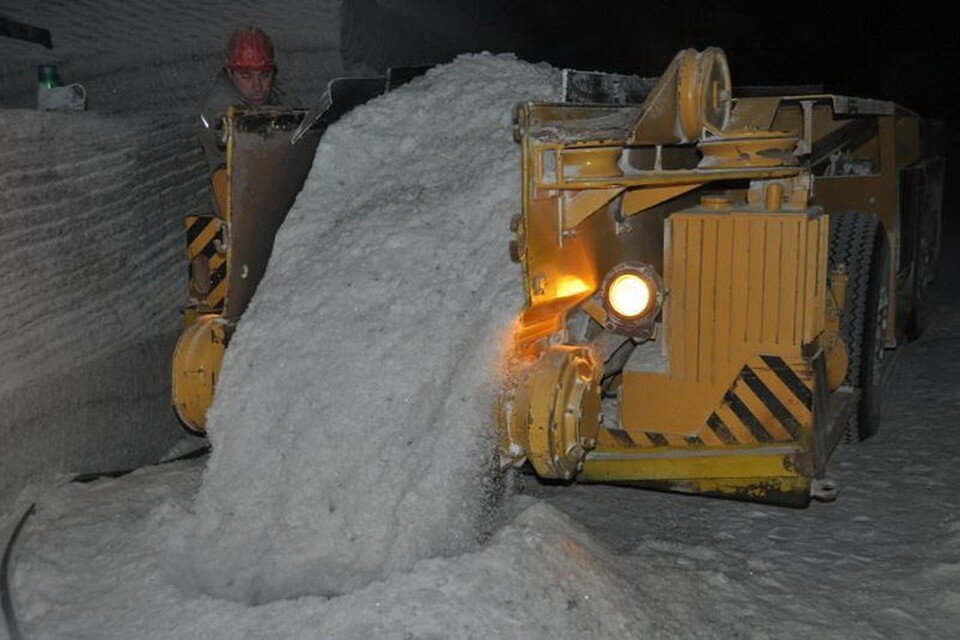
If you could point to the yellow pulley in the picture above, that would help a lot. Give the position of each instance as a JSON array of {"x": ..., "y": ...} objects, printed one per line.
[
  {"x": 196, "y": 368},
  {"x": 555, "y": 415}
]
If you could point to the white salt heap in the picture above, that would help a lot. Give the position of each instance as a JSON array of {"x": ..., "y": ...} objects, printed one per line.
[
  {"x": 351, "y": 428},
  {"x": 87, "y": 567}
]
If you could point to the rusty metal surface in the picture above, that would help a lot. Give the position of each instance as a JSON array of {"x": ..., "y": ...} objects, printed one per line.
[{"x": 267, "y": 173}]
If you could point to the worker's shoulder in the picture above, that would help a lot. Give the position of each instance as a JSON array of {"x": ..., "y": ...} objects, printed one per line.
[{"x": 221, "y": 95}]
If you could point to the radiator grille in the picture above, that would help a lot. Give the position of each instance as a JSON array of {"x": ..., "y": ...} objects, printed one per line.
[{"x": 741, "y": 283}]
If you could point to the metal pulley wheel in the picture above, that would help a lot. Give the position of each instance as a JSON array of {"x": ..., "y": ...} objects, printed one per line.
[{"x": 556, "y": 415}]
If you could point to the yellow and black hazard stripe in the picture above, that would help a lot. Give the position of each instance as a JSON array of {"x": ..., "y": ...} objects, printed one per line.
[
  {"x": 203, "y": 232},
  {"x": 771, "y": 401},
  {"x": 653, "y": 439}
]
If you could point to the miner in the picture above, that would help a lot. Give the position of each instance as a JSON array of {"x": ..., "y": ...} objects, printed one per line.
[{"x": 248, "y": 78}]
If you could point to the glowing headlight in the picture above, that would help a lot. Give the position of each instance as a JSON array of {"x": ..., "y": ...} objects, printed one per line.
[
  {"x": 632, "y": 297},
  {"x": 629, "y": 295}
]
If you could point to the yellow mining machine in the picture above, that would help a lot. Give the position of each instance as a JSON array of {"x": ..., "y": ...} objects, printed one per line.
[
  {"x": 713, "y": 282},
  {"x": 228, "y": 249},
  {"x": 269, "y": 152}
]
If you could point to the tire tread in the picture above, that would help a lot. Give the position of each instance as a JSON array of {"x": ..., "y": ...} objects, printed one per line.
[{"x": 853, "y": 241}]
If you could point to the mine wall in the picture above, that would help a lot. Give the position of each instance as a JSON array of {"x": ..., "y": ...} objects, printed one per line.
[
  {"x": 90, "y": 278},
  {"x": 92, "y": 273}
]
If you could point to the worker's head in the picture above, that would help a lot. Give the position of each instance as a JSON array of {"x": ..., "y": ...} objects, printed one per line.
[{"x": 250, "y": 64}]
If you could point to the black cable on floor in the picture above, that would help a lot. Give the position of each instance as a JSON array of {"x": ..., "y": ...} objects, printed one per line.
[
  {"x": 83, "y": 478},
  {"x": 6, "y": 596}
]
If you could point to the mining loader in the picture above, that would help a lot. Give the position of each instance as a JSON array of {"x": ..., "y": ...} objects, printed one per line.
[
  {"x": 714, "y": 281},
  {"x": 269, "y": 152}
]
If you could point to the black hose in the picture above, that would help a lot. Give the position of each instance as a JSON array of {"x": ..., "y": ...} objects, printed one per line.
[
  {"x": 83, "y": 478},
  {"x": 6, "y": 596}
]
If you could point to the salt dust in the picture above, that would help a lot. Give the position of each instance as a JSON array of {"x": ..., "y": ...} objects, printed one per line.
[{"x": 351, "y": 428}]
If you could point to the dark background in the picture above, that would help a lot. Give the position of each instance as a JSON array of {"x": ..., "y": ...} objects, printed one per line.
[
  {"x": 908, "y": 52},
  {"x": 902, "y": 51}
]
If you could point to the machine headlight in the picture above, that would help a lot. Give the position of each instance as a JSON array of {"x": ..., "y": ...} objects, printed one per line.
[
  {"x": 629, "y": 295},
  {"x": 632, "y": 297}
]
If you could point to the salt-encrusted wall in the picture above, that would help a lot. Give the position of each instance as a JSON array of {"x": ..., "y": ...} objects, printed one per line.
[{"x": 91, "y": 280}]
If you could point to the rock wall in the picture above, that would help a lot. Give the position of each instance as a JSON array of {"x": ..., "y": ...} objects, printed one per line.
[{"x": 91, "y": 279}]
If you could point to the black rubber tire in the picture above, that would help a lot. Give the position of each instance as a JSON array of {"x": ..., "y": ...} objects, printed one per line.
[{"x": 858, "y": 244}]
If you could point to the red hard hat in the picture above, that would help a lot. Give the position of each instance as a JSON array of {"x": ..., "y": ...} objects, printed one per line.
[{"x": 250, "y": 48}]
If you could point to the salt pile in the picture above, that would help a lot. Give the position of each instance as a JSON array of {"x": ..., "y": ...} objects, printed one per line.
[
  {"x": 351, "y": 424},
  {"x": 88, "y": 567}
]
